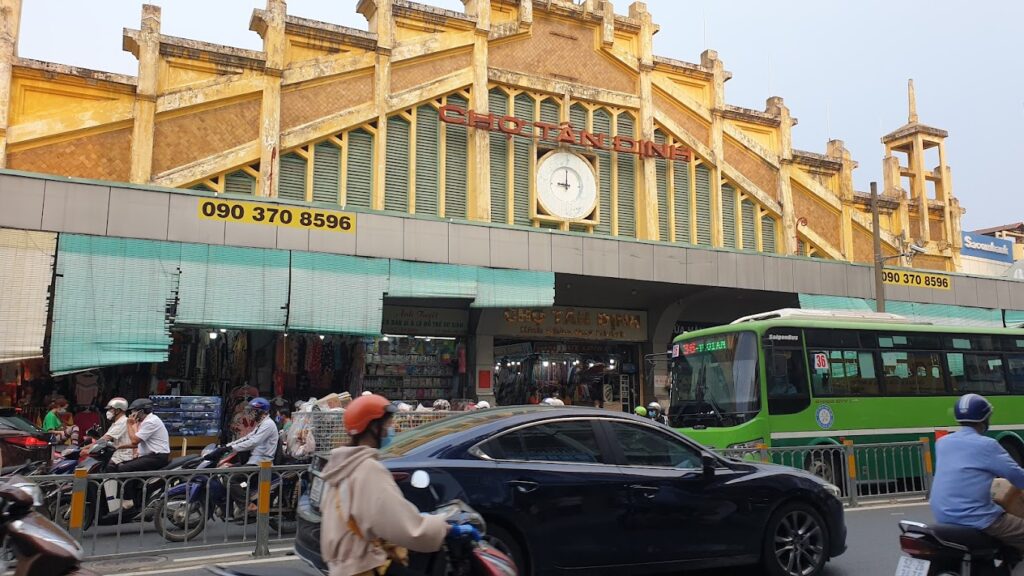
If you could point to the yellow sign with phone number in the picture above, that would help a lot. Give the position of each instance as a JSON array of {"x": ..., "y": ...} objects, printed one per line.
[
  {"x": 917, "y": 279},
  {"x": 276, "y": 215}
]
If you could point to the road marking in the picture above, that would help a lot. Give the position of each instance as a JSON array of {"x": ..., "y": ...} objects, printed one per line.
[
  {"x": 248, "y": 562},
  {"x": 887, "y": 505}
]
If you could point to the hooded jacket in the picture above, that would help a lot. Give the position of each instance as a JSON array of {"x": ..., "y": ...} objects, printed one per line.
[{"x": 359, "y": 488}]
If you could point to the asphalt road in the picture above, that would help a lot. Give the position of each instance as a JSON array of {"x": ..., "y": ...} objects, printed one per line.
[{"x": 873, "y": 548}]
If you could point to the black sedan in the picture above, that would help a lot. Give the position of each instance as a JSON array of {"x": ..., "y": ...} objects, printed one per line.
[{"x": 587, "y": 491}]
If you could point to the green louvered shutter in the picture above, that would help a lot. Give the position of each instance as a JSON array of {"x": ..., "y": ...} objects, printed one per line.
[
  {"x": 749, "y": 227},
  {"x": 326, "y": 172},
  {"x": 603, "y": 125},
  {"x": 292, "y": 182},
  {"x": 681, "y": 200},
  {"x": 550, "y": 111},
  {"x": 578, "y": 118},
  {"x": 768, "y": 234},
  {"x": 396, "y": 180},
  {"x": 661, "y": 179},
  {"x": 428, "y": 135},
  {"x": 498, "y": 104},
  {"x": 429, "y": 280},
  {"x": 703, "y": 206},
  {"x": 524, "y": 109},
  {"x": 237, "y": 183},
  {"x": 627, "y": 181},
  {"x": 728, "y": 216},
  {"x": 359, "y": 185},
  {"x": 456, "y": 160},
  {"x": 201, "y": 188},
  {"x": 514, "y": 289}
]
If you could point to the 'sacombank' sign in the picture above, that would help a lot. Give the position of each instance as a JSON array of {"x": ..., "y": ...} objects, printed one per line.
[
  {"x": 981, "y": 246},
  {"x": 563, "y": 133}
]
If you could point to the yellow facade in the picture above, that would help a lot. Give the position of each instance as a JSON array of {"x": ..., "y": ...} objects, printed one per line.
[{"x": 326, "y": 113}]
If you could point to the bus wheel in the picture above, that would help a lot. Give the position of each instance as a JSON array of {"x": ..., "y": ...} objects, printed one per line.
[
  {"x": 829, "y": 465},
  {"x": 1013, "y": 449}
]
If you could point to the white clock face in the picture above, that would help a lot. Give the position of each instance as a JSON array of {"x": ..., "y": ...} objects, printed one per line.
[{"x": 566, "y": 186}]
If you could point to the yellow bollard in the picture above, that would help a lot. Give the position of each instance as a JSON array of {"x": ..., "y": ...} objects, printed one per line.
[{"x": 78, "y": 501}]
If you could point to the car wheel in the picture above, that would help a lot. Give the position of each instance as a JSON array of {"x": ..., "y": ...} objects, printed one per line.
[
  {"x": 507, "y": 543},
  {"x": 795, "y": 542}
]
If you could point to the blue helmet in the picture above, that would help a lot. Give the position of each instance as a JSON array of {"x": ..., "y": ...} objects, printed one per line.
[
  {"x": 971, "y": 408},
  {"x": 260, "y": 404}
]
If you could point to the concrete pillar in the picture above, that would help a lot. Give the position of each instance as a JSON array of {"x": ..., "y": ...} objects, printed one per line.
[
  {"x": 378, "y": 14},
  {"x": 479, "y": 186},
  {"x": 647, "y": 197},
  {"x": 274, "y": 45},
  {"x": 837, "y": 150},
  {"x": 919, "y": 189},
  {"x": 144, "y": 107},
  {"x": 776, "y": 107},
  {"x": 607, "y": 23},
  {"x": 10, "y": 21},
  {"x": 710, "y": 61}
]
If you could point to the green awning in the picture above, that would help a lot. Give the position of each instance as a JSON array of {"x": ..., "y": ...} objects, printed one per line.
[
  {"x": 500, "y": 288},
  {"x": 337, "y": 294},
  {"x": 113, "y": 298},
  {"x": 1014, "y": 318},
  {"x": 424, "y": 280},
  {"x": 939, "y": 314}
]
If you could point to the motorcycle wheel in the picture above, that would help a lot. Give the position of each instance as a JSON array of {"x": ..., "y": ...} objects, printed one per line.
[
  {"x": 284, "y": 523},
  {"x": 58, "y": 509},
  {"x": 179, "y": 520}
]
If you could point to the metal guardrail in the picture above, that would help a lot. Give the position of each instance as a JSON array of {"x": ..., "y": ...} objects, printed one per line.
[{"x": 863, "y": 472}]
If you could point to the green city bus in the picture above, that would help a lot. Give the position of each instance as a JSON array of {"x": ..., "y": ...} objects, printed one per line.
[{"x": 816, "y": 378}]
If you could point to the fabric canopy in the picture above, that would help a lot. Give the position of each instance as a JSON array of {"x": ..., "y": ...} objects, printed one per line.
[
  {"x": 423, "y": 280},
  {"x": 337, "y": 294},
  {"x": 939, "y": 314},
  {"x": 1014, "y": 318},
  {"x": 230, "y": 287},
  {"x": 26, "y": 259},
  {"x": 498, "y": 288},
  {"x": 113, "y": 300}
]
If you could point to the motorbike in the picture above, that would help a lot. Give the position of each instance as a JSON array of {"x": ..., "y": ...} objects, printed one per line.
[
  {"x": 948, "y": 550},
  {"x": 182, "y": 515},
  {"x": 40, "y": 547},
  {"x": 458, "y": 557}
]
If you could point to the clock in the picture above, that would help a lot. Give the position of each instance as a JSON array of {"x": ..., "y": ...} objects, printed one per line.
[{"x": 566, "y": 185}]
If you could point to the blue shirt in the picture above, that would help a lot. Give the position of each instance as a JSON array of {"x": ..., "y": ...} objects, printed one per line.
[
  {"x": 262, "y": 441},
  {"x": 966, "y": 463}
]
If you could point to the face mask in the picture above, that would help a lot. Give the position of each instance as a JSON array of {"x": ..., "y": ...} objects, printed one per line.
[
  {"x": 110, "y": 414},
  {"x": 388, "y": 437}
]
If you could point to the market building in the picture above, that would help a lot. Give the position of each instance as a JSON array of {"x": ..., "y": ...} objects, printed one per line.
[{"x": 519, "y": 194}]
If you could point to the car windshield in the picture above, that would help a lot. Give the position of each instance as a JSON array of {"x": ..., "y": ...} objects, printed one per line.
[
  {"x": 714, "y": 381},
  {"x": 408, "y": 441}
]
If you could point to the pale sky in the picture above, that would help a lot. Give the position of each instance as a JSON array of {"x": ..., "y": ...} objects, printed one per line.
[{"x": 841, "y": 66}]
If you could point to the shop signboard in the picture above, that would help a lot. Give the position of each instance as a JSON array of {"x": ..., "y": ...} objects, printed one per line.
[
  {"x": 987, "y": 247},
  {"x": 270, "y": 214},
  {"x": 413, "y": 321},
  {"x": 565, "y": 323},
  {"x": 917, "y": 279}
]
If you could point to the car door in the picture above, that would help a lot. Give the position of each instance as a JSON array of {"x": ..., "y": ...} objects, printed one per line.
[
  {"x": 563, "y": 494},
  {"x": 677, "y": 514}
]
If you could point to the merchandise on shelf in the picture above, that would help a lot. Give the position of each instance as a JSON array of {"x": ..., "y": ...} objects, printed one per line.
[{"x": 189, "y": 415}]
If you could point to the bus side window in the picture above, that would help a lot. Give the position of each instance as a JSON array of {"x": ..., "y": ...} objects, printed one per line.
[
  {"x": 787, "y": 381},
  {"x": 1016, "y": 366}
]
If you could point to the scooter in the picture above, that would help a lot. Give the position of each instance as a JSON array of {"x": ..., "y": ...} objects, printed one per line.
[
  {"x": 460, "y": 557},
  {"x": 948, "y": 550},
  {"x": 40, "y": 547}
]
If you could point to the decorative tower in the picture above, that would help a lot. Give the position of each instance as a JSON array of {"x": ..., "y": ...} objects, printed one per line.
[{"x": 928, "y": 213}]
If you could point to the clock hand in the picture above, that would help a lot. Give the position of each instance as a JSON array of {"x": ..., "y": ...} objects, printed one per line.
[{"x": 565, "y": 184}]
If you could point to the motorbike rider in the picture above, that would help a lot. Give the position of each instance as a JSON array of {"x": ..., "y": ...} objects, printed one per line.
[
  {"x": 261, "y": 443},
  {"x": 966, "y": 463},
  {"x": 148, "y": 436},
  {"x": 367, "y": 522},
  {"x": 117, "y": 433},
  {"x": 655, "y": 413}
]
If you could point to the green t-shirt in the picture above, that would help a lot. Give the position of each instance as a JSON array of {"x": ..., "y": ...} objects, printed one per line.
[{"x": 52, "y": 422}]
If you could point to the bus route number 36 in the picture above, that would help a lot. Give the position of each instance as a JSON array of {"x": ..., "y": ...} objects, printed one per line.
[
  {"x": 916, "y": 279},
  {"x": 276, "y": 215}
]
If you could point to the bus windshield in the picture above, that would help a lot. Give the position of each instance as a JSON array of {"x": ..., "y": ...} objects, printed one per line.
[{"x": 714, "y": 381}]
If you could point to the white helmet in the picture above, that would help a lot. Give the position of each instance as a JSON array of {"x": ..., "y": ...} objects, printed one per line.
[
  {"x": 118, "y": 404},
  {"x": 552, "y": 402},
  {"x": 403, "y": 407},
  {"x": 482, "y": 405}
]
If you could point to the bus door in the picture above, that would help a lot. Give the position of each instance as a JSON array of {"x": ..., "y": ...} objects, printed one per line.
[{"x": 786, "y": 377}]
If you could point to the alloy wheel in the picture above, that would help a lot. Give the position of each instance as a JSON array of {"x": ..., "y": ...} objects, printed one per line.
[{"x": 799, "y": 544}]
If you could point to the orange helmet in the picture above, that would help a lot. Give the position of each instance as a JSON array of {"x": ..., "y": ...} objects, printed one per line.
[{"x": 364, "y": 410}]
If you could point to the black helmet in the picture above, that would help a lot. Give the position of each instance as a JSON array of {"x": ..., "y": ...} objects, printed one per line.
[{"x": 143, "y": 404}]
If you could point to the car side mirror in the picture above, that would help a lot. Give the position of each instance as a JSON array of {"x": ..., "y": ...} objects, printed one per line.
[{"x": 708, "y": 463}]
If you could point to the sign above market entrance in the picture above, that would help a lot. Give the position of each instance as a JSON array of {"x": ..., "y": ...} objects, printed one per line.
[
  {"x": 563, "y": 133},
  {"x": 565, "y": 323}
]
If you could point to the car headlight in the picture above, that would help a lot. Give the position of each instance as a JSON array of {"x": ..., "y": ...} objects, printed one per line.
[
  {"x": 749, "y": 445},
  {"x": 833, "y": 490}
]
